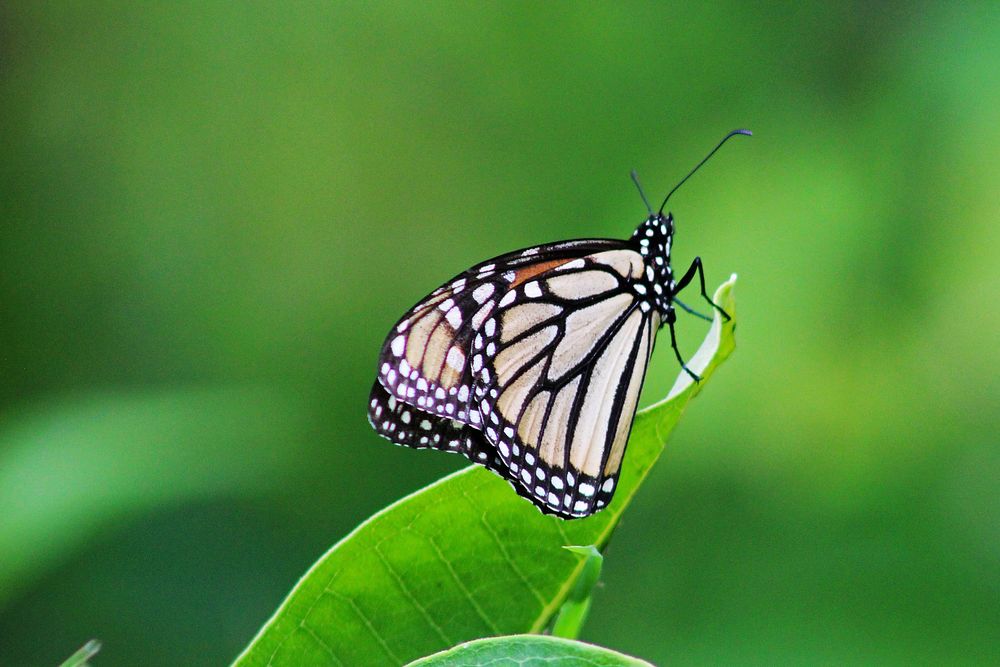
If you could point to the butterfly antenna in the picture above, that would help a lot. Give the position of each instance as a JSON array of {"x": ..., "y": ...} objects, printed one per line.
[
  {"x": 638, "y": 185},
  {"x": 704, "y": 160}
]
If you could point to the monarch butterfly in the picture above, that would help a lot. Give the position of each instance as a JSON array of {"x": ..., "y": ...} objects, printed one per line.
[{"x": 531, "y": 363}]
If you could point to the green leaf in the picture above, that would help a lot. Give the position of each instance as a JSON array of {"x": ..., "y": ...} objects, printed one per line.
[
  {"x": 528, "y": 651},
  {"x": 462, "y": 558},
  {"x": 573, "y": 613},
  {"x": 83, "y": 655}
]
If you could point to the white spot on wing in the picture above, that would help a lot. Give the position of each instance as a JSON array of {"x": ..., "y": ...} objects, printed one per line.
[
  {"x": 398, "y": 345},
  {"x": 456, "y": 359},
  {"x": 508, "y": 298},
  {"x": 532, "y": 289},
  {"x": 483, "y": 292}
]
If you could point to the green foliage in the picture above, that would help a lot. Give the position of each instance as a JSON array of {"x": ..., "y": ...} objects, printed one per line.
[
  {"x": 569, "y": 621},
  {"x": 528, "y": 651},
  {"x": 82, "y": 657},
  {"x": 465, "y": 557},
  {"x": 96, "y": 454},
  {"x": 201, "y": 195}
]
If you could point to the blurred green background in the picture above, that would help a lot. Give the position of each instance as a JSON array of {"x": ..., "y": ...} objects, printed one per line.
[{"x": 212, "y": 213}]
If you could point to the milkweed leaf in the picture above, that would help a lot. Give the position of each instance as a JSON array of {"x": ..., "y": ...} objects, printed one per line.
[
  {"x": 464, "y": 557},
  {"x": 528, "y": 651},
  {"x": 573, "y": 613},
  {"x": 81, "y": 658}
]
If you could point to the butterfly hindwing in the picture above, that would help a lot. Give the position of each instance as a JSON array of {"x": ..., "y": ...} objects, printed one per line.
[{"x": 407, "y": 425}]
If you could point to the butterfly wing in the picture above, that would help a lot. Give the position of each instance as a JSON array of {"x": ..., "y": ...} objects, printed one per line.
[
  {"x": 559, "y": 368},
  {"x": 460, "y": 354}
]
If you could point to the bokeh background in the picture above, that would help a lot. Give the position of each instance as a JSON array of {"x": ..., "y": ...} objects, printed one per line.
[{"x": 211, "y": 214}]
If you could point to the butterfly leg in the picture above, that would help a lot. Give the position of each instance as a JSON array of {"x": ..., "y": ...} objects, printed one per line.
[
  {"x": 691, "y": 310},
  {"x": 677, "y": 352},
  {"x": 689, "y": 275}
]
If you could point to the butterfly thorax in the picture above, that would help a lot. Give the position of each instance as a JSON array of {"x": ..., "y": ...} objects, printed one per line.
[{"x": 653, "y": 238}]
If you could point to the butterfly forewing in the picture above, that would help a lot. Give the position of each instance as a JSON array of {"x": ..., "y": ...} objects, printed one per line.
[
  {"x": 560, "y": 366},
  {"x": 530, "y": 364}
]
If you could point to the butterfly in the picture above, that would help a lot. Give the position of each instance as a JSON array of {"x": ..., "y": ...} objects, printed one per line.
[{"x": 531, "y": 363}]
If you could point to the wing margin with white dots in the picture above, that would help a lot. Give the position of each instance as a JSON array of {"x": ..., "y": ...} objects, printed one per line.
[{"x": 406, "y": 425}]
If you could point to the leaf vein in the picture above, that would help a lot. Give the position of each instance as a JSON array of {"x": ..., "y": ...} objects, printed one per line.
[
  {"x": 322, "y": 642},
  {"x": 409, "y": 596},
  {"x": 465, "y": 591},
  {"x": 368, "y": 624},
  {"x": 505, "y": 553}
]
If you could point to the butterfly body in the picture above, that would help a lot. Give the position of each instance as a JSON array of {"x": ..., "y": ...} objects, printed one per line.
[{"x": 531, "y": 364}]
